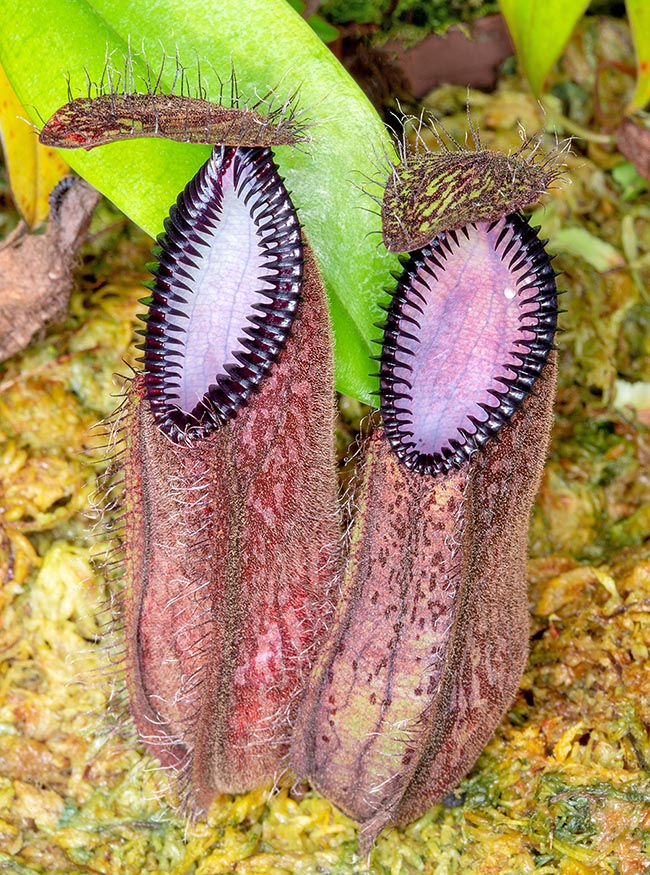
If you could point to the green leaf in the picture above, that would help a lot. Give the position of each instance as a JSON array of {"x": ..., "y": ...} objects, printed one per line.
[
  {"x": 321, "y": 28},
  {"x": 269, "y": 46},
  {"x": 638, "y": 12},
  {"x": 631, "y": 182},
  {"x": 578, "y": 242},
  {"x": 540, "y": 29}
]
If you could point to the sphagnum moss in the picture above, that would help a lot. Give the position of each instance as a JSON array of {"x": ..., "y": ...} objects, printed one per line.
[{"x": 564, "y": 785}]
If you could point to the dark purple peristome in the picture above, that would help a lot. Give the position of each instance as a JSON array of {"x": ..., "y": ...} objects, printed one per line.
[
  {"x": 225, "y": 292},
  {"x": 468, "y": 332}
]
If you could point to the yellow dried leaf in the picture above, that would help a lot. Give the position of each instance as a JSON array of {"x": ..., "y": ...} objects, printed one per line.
[
  {"x": 33, "y": 169},
  {"x": 638, "y": 13}
]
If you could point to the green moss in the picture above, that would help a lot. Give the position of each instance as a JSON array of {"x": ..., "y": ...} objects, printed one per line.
[{"x": 409, "y": 20}]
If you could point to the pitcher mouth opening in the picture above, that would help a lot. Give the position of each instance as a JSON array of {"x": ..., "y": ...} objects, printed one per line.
[
  {"x": 225, "y": 293},
  {"x": 469, "y": 330}
]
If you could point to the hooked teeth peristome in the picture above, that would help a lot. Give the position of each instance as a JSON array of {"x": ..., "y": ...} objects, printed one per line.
[
  {"x": 225, "y": 292},
  {"x": 464, "y": 345}
]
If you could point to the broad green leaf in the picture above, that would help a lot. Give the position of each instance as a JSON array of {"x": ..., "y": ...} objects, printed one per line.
[
  {"x": 269, "y": 46},
  {"x": 540, "y": 29},
  {"x": 33, "y": 169},
  {"x": 638, "y": 12}
]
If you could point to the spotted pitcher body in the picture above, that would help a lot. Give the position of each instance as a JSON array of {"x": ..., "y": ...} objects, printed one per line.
[{"x": 430, "y": 636}]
